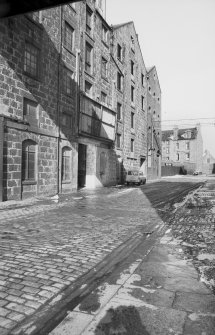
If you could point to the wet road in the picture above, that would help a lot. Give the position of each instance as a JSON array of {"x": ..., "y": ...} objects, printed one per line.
[{"x": 46, "y": 249}]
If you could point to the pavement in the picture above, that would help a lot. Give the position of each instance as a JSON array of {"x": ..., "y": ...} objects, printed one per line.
[
  {"x": 55, "y": 252},
  {"x": 155, "y": 291}
]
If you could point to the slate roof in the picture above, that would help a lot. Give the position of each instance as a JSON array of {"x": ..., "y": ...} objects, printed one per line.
[{"x": 168, "y": 134}]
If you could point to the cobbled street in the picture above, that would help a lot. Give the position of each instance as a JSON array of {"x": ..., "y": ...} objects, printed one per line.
[{"x": 47, "y": 247}]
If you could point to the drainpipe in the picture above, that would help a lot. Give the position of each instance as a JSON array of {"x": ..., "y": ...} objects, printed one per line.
[
  {"x": 1, "y": 156},
  {"x": 58, "y": 102}
]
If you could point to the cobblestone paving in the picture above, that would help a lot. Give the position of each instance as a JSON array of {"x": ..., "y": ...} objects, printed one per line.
[
  {"x": 45, "y": 251},
  {"x": 194, "y": 225}
]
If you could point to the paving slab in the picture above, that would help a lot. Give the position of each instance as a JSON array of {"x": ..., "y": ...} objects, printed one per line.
[{"x": 199, "y": 303}]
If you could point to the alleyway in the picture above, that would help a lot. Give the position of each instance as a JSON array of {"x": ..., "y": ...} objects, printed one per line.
[{"x": 51, "y": 254}]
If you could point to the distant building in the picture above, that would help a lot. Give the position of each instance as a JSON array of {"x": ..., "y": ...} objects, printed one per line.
[
  {"x": 183, "y": 148},
  {"x": 153, "y": 124},
  {"x": 208, "y": 163}
]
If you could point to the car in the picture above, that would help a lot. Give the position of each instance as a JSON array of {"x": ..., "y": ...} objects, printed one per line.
[
  {"x": 135, "y": 177},
  {"x": 196, "y": 173}
]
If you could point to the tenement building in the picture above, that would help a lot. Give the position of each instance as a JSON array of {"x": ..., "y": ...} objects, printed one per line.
[
  {"x": 153, "y": 124},
  {"x": 97, "y": 115},
  {"x": 38, "y": 103},
  {"x": 130, "y": 99},
  {"x": 73, "y": 101},
  {"x": 183, "y": 148}
]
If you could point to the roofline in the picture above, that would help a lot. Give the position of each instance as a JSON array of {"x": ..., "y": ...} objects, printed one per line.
[
  {"x": 126, "y": 24},
  {"x": 150, "y": 69}
]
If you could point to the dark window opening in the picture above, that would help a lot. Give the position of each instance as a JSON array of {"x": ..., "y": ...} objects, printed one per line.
[
  {"x": 69, "y": 36},
  {"x": 88, "y": 58},
  {"x": 28, "y": 161}
]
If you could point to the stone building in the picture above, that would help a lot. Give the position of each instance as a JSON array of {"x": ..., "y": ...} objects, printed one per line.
[
  {"x": 131, "y": 96},
  {"x": 154, "y": 124},
  {"x": 183, "y": 148},
  {"x": 38, "y": 102},
  {"x": 73, "y": 101},
  {"x": 208, "y": 163},
  {"x": 96, "y": 162}
]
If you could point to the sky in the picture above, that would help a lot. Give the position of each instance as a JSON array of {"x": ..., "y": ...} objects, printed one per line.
[{"x": 178, "y": 37}]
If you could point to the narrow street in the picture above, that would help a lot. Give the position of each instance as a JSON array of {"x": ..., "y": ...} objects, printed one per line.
[{"x": 55, "y": 254}]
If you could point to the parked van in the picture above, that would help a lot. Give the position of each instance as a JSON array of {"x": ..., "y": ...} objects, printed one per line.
[{"x": 135, "y": 177}]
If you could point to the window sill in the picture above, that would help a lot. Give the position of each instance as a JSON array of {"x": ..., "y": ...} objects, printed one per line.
[
  {"x": 29, "y": 77},
  {"x": 105, "y": 44},
  {"x": 29, "y": 182},
  {"x": 89, "y": 74},
  {"x": 120, "y": 91},
  {"x": 105, "y": 78},
  {"x": 66, "y": 181},
  {"x": 90, "y": 36},
  {"x": 71, "y": 51}
]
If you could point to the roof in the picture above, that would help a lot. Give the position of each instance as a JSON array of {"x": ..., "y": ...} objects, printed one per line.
[
  {"x": 168, "y": 134},
  {"x": 117, "y": 26},
  {"x": 148, "y": 69}
]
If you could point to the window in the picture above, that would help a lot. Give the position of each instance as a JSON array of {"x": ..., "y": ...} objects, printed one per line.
[
  {"x": 142, "y": 102},
  {"x": 66, "y": 120},
  {"x": 132, "y": 119},
  {"x": 103, "y": 97},
  {"x": 30, "y": 111},
  {"x": 29, "y": 161},
  {"x": 68, "y": 82},
  {"x": 104, "y": 34},
  {"x": 132, "y": 93},
  {"x": 167, "y": 158},
  {"x": 31, "y": 60},
  {"x": 104, "y": 67},
  {"x": 187, "y": 145},
  {"x": 177, "y": 145},
  {"x": 132, "y": 67},
  {"x": 149, "y": 88},
  {"x": 88, "y": 58},
  {"x": 118, "y": 140},
  {"x": 66, "y": 166},
  {"x": 119, "y": 111},
  {"x": 119, "y": 81},
  {"x": 142, "y": 79},
  {"x": 187, "y": 157},
  {"x": 167, "y": 150},
  {"x": 119, "y": 52},
  {"x": 132, "y": 43},
  {"x": 88, "y": 87},
  {"x": 132, "y": 145},
  {"x": 88, "y": 20},
  {"x": 69, "y": 36},
  {"x": 177, "y": 156}
]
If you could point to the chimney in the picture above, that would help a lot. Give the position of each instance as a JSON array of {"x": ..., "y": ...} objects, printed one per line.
[{"x": 175, "y": 133}]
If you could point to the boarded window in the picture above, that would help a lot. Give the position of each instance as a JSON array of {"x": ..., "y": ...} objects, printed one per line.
[{"x": 66, "y": 164}]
